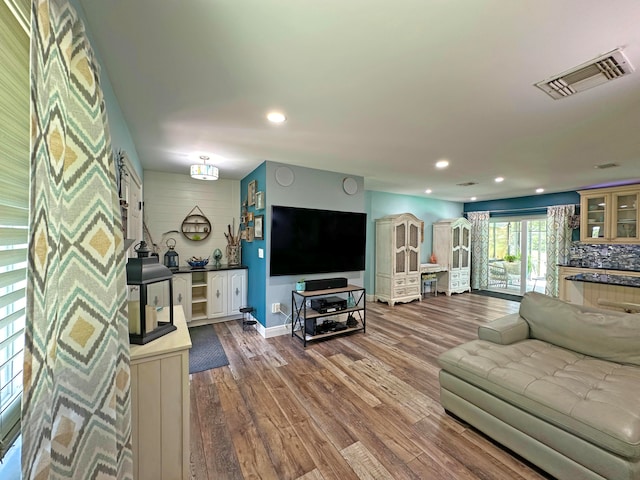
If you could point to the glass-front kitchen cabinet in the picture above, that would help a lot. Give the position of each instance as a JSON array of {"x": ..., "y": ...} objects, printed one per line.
[{"x": 610, "y": 215}]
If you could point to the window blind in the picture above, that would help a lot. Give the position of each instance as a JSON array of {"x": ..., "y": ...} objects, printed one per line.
[{"x": 14, "y": 210}]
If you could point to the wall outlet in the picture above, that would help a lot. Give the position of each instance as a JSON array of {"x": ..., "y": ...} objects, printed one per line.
[{"x": 275, "y": 308}]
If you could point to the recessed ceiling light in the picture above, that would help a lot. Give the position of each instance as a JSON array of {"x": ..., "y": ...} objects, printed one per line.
[
  {"x": 428, "y": 190},
  {"x": 276, "y": 117},
  {"x": 473, "y": 199},
  {"x": 539, "y": 190},
  {"x": 442, "y": 163},
  {"x": 499, "y": 179}
]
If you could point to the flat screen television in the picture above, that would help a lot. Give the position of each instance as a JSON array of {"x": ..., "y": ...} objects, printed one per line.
[{"x": 306, "y": 241}]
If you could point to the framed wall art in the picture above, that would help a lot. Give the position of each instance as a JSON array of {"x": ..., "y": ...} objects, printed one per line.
[
  {"x": 259, "y": 200},
  {"x": 258, "y": 227},
  {"x": 251, "y": 192}
]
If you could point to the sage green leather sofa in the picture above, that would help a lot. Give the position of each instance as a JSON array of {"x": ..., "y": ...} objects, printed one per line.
[{"x": 557, "y": 383}]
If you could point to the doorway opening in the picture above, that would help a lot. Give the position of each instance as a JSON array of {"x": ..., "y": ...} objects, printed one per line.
[{"x": 517, "y": 255}]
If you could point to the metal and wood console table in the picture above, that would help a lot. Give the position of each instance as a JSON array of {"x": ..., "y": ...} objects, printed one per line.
[{"x": 309, "y": 324}]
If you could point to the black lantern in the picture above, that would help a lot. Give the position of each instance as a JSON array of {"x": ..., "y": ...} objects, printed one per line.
[
  {"x": 171, "y": 258},
  {"x": 156, "y": 282}
]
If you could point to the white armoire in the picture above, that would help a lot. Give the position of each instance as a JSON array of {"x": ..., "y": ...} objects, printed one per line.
[
  {"x": 452, "y": 248},
  {"x": 398, "y": 258}
]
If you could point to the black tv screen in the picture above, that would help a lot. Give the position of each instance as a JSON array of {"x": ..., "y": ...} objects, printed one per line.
[{"x": 306, "y": 241}]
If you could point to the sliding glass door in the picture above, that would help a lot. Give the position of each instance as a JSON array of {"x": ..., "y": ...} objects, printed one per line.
[{"x": 517, "y": 254}]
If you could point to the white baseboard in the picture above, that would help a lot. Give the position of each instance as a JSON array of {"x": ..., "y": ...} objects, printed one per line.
[{"x": 277, "y": 331}]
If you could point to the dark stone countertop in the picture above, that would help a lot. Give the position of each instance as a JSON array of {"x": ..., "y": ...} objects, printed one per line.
[
  {"x": 602, "y": 278},
  {"x": 208, "y": 268},
  {"x": 603, "y": 266}
]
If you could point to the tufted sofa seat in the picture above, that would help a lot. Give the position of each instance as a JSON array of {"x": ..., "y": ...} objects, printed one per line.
[{"x": 557, "y": 383}]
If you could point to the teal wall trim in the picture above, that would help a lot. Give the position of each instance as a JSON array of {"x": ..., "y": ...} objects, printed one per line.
[{"x": 521, "y": 206}]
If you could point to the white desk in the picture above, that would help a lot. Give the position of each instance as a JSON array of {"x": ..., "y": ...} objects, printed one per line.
[{"x": 429, "y": 274}]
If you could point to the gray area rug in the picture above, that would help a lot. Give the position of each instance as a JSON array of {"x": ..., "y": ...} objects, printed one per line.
[
  {"x": 206, "y": 350},
  {"x": 504, "y": 296}
]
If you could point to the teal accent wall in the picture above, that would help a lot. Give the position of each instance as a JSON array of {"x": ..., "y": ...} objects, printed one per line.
[
  {"x": 429, "y": 210},
  {"x": 257, "y": 267},
  {"x": 120, "y": 134}
]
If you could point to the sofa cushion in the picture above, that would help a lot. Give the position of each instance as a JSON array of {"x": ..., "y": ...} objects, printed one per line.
[
  {"x": 591, "y": 398},
  {"x": 604, "y": 334},
  {"x": 504, "y": 330}
]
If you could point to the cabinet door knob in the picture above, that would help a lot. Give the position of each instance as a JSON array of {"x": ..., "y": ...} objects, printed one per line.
[
  {"x": 155, "y": 300},
  {"x": 217, "y": 293},
  {"x": 237, "y": 291},
  {"x": 179, "y": 298}
]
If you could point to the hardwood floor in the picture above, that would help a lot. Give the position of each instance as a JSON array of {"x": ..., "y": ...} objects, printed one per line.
[{"x": 362, "y": 406}]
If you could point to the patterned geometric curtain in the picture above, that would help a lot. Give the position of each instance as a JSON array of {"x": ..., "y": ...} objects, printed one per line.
[
  {"x": 479, "y": 249},
  {"x": 558, "y": 243},
  {"x": 76, "y": 406}
]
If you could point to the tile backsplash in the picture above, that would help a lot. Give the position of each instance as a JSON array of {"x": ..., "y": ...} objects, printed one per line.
[{"x": 615, "y": 257}]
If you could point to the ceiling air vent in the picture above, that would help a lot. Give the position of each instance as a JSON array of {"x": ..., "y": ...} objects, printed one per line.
[
  {"x": 466, "y": 184},
  {"x": 600, "y": 70}
]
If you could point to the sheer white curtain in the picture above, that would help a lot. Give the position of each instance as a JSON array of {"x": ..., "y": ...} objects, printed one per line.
[
  {"x": 558, "y": 243},
  {"x": 479, "y": 249}
]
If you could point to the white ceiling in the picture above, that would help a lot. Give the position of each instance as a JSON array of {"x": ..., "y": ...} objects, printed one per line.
[{"x": 377, "y": 88}]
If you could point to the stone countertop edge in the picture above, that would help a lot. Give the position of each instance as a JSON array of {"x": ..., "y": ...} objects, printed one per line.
[
  {"x": 618, "y": 268},
  {"x": 209, "y": 268},
  {"x": 619, "y": 280}
]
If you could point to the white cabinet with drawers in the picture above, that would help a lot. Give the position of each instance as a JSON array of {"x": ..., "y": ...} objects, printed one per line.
[
  {"x": 398, "y": 258},
  {"x": 452, "y": 248}
]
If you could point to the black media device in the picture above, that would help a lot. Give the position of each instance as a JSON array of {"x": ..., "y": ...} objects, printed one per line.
[
  {"x": 328, "y": 304},
  {"x": 325, "y": 283},
  {"x": 306, "y": 241}
]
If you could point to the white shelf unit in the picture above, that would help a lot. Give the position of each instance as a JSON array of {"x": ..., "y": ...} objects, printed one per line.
[{"x": 199, "y": 292}]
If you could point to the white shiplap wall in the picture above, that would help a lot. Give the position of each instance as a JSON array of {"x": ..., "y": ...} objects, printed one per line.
[{"x": 169, "y": 198}]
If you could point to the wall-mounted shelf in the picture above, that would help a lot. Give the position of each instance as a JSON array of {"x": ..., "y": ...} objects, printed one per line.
[{"x": 196, "y": 226}]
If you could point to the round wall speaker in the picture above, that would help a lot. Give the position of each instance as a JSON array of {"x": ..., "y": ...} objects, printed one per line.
[
  {"x": 284, "y": 176},
  {"x": 349, "y": 185}
]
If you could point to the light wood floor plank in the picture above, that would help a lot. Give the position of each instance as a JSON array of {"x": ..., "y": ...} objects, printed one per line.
[{"x": 359, "y": 406}]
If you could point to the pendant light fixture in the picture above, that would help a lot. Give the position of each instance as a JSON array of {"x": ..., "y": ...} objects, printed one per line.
[{"x": 204, "y": 171}]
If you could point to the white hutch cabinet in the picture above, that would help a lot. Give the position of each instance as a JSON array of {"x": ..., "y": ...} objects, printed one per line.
[
  {"x": 398, "y": 258},
  {"x": 452, "y": 248}
]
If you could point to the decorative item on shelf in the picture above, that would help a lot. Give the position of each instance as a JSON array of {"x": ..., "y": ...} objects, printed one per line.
[
  {"x": 217, "y": 256},
  {"x": 433, "y": 259},
  {"x": 196, "y": 225},
  {"x": 251, "y": 192},
  {"x": 258, "y": 227},
  {"x": 233, "y": 244},
  {"x": 300, "y": 285},
  {"x": 171, "y": 257},
  {"x": 250, "y": 234},
  {"x": 259, "y": 200},
  {"x": 249, "y": 217},
  {"x": 198, "y": 262},
  {"x": 145, "y": 270}
]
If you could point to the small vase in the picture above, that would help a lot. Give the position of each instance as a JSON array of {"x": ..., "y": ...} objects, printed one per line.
[
  {"x": 233, "y": 254},
  {"x": 300, "y": 286}
]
